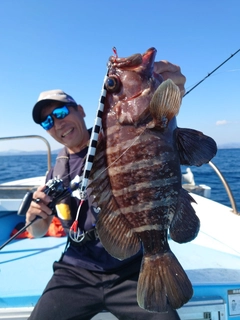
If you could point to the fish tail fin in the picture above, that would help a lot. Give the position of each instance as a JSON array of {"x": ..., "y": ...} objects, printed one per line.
[
  {"x": 162, "y": 280},
  {"x": 165, "y": 103}
]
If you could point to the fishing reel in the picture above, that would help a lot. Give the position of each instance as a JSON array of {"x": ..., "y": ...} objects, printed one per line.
[{"x": 55, "y": 189}]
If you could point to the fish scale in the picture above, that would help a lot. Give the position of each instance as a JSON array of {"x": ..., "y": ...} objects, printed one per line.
[{"x": 136, "y": 178}]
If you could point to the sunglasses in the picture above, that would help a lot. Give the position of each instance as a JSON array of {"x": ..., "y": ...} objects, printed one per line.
[{"x": 58, "y": 113}]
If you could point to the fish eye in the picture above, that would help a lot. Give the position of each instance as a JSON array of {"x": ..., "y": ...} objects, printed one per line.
[{"x": 113, "y": 84}]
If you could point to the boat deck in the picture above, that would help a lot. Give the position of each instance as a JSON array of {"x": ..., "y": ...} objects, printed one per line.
[{"x": 25, "y": 268}]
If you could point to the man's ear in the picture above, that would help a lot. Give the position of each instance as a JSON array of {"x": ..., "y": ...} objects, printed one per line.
[{"x": 81, "y": 110}]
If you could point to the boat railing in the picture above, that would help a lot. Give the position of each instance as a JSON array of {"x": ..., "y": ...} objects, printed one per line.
[
  {"x": 226, "y": 186},
  {"x": 49, "y": 159}
]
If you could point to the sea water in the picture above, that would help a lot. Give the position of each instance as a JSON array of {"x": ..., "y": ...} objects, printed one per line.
[{"x": 14, "y": 167}]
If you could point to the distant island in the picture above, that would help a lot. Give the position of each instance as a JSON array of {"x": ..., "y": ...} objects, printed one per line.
[
  {"x": 13, "y": 152},
  {"x": 20, "y": 152},
  {"x": 235, "y": 145}
]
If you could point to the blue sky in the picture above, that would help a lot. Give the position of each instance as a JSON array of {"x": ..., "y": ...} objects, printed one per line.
[{"x": 65, "y": 44}]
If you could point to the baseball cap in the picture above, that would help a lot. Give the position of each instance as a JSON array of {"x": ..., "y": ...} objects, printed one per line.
[{"x": 46, "y": 97}]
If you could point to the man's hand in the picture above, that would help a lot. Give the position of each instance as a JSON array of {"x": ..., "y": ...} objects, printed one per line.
[
  {"x": 39, "y": 208},
  {"x": 171, "y": 71}
]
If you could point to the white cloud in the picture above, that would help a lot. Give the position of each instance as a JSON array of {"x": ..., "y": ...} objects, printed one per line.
[{"x": 221, "y": 122}]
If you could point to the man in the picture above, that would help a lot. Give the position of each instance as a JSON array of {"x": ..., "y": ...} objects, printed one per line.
[{"x": 86, "y": 279}]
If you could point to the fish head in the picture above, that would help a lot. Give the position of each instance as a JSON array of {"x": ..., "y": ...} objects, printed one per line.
[{"x": 130, "y": 85}]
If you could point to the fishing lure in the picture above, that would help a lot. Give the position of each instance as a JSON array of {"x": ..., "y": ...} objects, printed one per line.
[{"x": 75, "y": 233}]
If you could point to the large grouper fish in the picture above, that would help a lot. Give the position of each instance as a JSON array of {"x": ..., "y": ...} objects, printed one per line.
[{"x": 136, "y": 178}]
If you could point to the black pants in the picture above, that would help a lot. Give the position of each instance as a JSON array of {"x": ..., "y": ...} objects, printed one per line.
[{"x": 74, "y": 293}]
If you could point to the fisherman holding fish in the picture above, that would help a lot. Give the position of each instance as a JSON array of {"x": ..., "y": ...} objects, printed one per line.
[{"x": 86, "y": 279}]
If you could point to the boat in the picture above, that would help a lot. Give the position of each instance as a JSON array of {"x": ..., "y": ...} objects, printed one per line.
[{"x": 212, "y": 260}]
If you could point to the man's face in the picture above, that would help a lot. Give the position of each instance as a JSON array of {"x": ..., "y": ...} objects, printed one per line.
[{"x": 70, "y": 131}]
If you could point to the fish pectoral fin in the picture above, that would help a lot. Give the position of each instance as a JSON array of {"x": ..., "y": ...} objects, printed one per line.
[
  {"x": 165, "y": 104},
  {"x": 162, "y": 278},
  {"x": 185, "y": 224},
  {"x": 194, "y": 147},
  {"x": 115, "y": 233}
]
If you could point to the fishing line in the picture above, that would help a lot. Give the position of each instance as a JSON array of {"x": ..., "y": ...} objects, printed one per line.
[{"x": 209, "y": 74}]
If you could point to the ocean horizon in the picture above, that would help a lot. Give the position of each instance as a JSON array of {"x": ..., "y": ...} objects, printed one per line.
[{"x": 55, "y": 151}]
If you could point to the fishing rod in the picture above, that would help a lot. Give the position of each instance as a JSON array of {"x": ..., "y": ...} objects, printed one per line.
[{"x": 209, "y": 74}]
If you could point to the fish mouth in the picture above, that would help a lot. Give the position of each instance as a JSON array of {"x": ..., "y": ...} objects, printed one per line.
[
  {"x": 129, "y": 63},
  {"x": 135, "y": 60}
]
